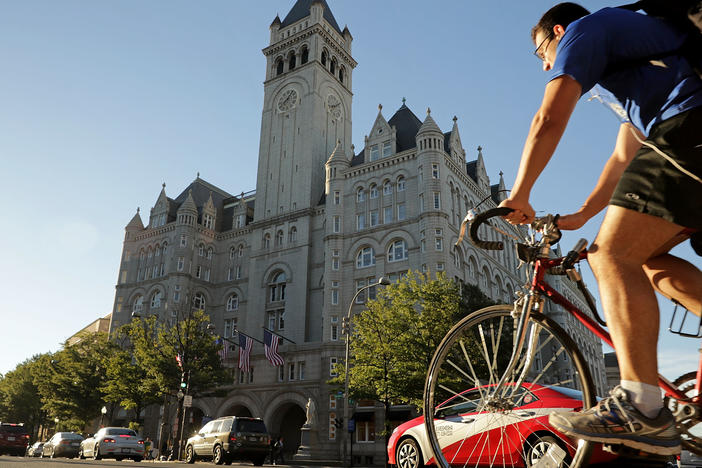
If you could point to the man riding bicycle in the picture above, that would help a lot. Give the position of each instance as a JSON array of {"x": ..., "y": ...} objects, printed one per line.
[{"x": 653, "y": 188}]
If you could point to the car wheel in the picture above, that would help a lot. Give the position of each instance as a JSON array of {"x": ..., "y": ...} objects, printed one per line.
[
  {"x": 96, "y": 452},
  {"x": 218, "y": 455},
  {"x": 137, "y": 459},
  {"x": 81, "y": 455},
  {"x": 537, "y": 448},
  {"x": 119, "y": 458},
  {"x": 53, "y": 454},
  {"x": 189, "y": 454},
  {"x": 408, "y": 454}
]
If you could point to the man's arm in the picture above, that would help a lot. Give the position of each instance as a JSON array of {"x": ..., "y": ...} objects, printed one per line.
[
  {"x": 624, "y": 151},
  {"x": 546, "y": 130}
]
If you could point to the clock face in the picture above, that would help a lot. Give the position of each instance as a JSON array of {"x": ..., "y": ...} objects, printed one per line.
[
  {"x": 287, "y": 101},
  {"x": 334, "y": 106}
]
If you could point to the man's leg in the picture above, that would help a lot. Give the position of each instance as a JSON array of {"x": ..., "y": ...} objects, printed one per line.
[
  {"x": 626, "y": 241},
  {"x": 676, "y": 279}
]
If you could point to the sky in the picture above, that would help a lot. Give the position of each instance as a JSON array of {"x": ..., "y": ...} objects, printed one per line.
[{"x": 102, "y": 102}]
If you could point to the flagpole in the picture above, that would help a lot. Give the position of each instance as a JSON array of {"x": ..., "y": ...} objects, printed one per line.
[
  {"x": 249, "y": 336},
  {"x": 278, "y": 334}
]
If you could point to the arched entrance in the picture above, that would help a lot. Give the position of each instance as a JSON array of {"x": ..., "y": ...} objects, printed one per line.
[
  {"x": 193, "y": 421},
  {"x": 286, "y": 422},
  {"x": 238, "y": 410}
]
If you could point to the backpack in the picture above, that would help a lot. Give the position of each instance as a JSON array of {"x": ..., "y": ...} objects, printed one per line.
[{"x": 685, "y": 15}]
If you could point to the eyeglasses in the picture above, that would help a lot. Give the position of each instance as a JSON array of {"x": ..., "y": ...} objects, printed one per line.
[{"x": 538, "y": 53}]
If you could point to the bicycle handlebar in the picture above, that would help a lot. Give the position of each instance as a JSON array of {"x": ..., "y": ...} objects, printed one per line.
[{"x": 480, "y": 219}]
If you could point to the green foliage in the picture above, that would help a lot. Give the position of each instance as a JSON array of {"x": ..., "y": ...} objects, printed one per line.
[
  {"x": 19, "y": 396},
  {"x": 70, "y": 381},
  {"x": 394, "y": 339}
]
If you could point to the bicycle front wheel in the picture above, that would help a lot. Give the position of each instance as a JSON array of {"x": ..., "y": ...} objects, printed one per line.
[{"x": 471, "y": 422}]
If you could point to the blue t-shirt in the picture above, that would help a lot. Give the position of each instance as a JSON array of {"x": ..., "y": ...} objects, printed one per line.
[{"x": 609, "y": 37}]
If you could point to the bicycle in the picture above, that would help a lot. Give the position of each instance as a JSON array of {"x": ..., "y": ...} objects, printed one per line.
[{"x": 493, "y": 367}]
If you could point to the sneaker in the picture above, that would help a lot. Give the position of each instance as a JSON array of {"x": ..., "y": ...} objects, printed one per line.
[{"x": 614, "y": 420}]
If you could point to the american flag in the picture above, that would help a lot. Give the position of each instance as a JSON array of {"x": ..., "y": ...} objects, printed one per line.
[
  {"x": 222, "y": 352},
  {"x": 270, "y": 345},
  {"x": 245, "y": 344}
]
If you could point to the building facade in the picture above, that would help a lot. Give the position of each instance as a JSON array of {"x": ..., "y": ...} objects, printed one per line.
[{"x": 324, "y": 221}]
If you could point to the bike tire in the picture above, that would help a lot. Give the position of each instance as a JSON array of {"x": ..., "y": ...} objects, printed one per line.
[
  {"x": 688, "y": 419},
  {"x": 461, "y": 401}
]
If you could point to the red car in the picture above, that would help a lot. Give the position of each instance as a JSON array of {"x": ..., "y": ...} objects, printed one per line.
[{"x": 518, "y": 437}]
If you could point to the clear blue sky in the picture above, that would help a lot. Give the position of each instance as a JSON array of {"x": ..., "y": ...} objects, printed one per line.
[{"x": 102, "y": 102}]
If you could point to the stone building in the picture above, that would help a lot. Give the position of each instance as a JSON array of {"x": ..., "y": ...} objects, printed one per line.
[{"x": 324, "y": 221}]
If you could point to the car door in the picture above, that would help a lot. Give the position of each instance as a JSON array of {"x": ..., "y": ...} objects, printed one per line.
[
  {"x": 211, "y": 436},
  {"x": 199, "y": 439}
]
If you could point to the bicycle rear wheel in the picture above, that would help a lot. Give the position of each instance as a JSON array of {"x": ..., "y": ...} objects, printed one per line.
[{"x": 471, "y": 422}]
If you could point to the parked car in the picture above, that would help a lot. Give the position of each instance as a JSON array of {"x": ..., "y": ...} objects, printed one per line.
[
  {"x": 35, "y": 449},
  {"x": 113, "y": 442},
  {"x": 530, "y": 435},
  {"x": 14, "y": 439},
  {"x": 230, "y": 438},
  {"x": 62, "y": 444}
]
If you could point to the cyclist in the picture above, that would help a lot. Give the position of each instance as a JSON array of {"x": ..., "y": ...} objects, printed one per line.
[{"x": 655, "y": 202}]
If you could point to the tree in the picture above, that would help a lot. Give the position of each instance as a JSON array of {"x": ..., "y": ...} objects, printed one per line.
[
  {"x": 19, "y": 396},
  {"x": 155, "y": 346},
  {"x": 70, "y": 380}
]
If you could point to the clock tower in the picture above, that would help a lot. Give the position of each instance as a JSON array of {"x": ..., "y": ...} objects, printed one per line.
[{"x": 306, "y": 109}]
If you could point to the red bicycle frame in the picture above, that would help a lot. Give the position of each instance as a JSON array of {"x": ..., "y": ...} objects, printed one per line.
[{"x": 539, "y": 285}]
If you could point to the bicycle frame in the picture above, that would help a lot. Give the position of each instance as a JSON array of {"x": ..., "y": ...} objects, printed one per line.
[{"x": 539, "y": 286}]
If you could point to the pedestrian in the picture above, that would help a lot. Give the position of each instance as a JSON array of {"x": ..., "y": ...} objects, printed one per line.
[{"x": 278, "y": 454}]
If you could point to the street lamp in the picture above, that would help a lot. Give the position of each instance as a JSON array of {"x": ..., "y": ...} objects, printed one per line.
[
  {"x": 344, "y": 434},
  {"x": 56, "y": 421},
  {"x": 102, "y": 418}
]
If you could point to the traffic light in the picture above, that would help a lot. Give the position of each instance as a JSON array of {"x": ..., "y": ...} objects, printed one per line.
[
  {"x": 344, "y": 326},
  {"x": 183, "y": 383},
  {"x": 338, "y": 423}
]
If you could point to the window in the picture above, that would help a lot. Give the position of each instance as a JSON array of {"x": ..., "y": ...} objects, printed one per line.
[
  {"x": 440, "y": 266},
  {"x": 334, "y": 328},
  {"x": 183, "y": 241},
  {"x": 365, "y": 257},
  {"x": 336, "y": 221},
  {"x": 387, "y": 214},
  {"x": 438, "y": 240},
  {"x": 374, "y": 153},
  {"x": 232, "y": 253},
  {"x": 387, "y": 149},
  {"x": 279, "y": 67},
  {"x": 360, "y": 195},
  {"x": 138, "y": 305},
  {"x": 230, "y": 275},
  {"x": 181, "y": 263},
  {"x": 154, "y": 273},
  {"x": 266, "y": 241},
  {"x": 387, "y": 188},
  {"x": 332, "y": 401},
  {"x": 301, "y": 370},
  {"x": 292, "y": 235},
  {"x": 207, "y": 274},
  {"x": 208, "y": 221},
  {"x": 332, "y": 426},
  {"x": 276, "y": 319},
  {"x": 337, "y": 197},
  {"x": 176, "y": 293},
  {"x": 400, "y": 184},
  {"x": 201, "y": 250},
  {"x": 209, "y": 253},
  {"x": 420, "y": 174},
  {"x": 335, "y": 259},
  {"x": 401, "y": 215},
  {"x": 335, "y": 297},
  {"x": 156, "y": 300},
  {"x": 229, "y": 328},
  {"x": 437, "y": 200},
  {"x": 238, "y": 272},
  {"x": 240, "y": 221},
  {"x": 198, "y": 271},
  {"x": 365, "y": 430},
  {"x": 361, "y": 298},
  {"x": 332, "y": 364},
  {"x": 434, "y": 171},
  {"x": 233, "y": 302},
  {"x": 241, "y": 251},
  {"x": 123, "y": 277},
  {"x": 374, "y": 218},
  {"x": 360, "y": 221},
  {"x": 373, "y": 191},
  {"x": 397, "y": 251},
  {"x": 277, "y": 287},
  {"x": 199, "y": 301},
  {"x": 291, "y": 371},
  {"x": 304, "y": 56}
]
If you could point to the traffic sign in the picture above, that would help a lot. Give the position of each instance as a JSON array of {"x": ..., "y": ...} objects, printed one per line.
[
  {"x": 188, "y": 401},
  {"x": 352, "y": 425}
]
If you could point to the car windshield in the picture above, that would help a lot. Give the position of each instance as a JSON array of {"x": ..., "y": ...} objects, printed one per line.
[
  {"x": 250, "y": 425},
  {"x": 71, "y": 435},
  {"x": 128, "y": 432},
  {"x": 467, "y": 402},
  {"x": 13, "y": 429}
]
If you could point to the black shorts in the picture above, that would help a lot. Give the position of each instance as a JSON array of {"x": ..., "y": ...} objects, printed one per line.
[{"x": 652, "y": 185}]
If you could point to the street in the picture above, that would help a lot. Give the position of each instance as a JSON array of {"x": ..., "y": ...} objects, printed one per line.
[{"x": 17, "y": 462}]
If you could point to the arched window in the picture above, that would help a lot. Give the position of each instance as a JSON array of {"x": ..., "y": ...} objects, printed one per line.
[
  {"x": 209, "y": 253},
  {"x": 292, "y": 235},
  {"x": 279, "y": 67},
  {"x": 360, "y": 195},
  {"x": 201, "y": 250},
  {"x": 304, "y": 56},
  {"x": 232, "y": 302},
  {"x": 373, "y": 191},
  {"x": 138, "y": 304},
  {"x": 342, "y": 72},
  {"x": 291, "y": 61},
  {"x": 156, "y": 300},
  {"x": 365, "y": 257},
  {"x": 400, "y": 184},
  {"x": 232, "y": 252},
  {"x": 199, "y": 301},
  {"x": 397, "y": 251},
  {"x": 387, "y": 188},
  {"x": 332, "y": 67},
  {"x": 279, "y": 238},
  {"x": 324, "y": 58},
  {"x": 276, "y": 287},
  {"x": 266, "y": 241},
  {"x": 241, "y": 250}
]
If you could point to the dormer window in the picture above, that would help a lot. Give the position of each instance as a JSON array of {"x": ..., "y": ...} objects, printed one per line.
[
  {"x": 387, "y": 149},
  {"x": 374, "y": 153}
]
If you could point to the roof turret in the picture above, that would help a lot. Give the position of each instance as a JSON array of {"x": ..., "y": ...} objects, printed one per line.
[
  {"x": 429, "y": 125},
  {"x": 136, "y": 223}
]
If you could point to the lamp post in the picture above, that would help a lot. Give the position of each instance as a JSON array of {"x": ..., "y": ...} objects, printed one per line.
[
  {"x": 383, "y": 281},
  {"x": 102, "y": 418},
  {"x": 56, "y": 421}
]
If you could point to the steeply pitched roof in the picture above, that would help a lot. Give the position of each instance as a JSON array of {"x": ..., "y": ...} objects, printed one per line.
[
  {"x": 201, "y": 193},
  {"x": 472, "y": 169},
  {"x": 302, "y": 10},
  {"x": 407, "y": 125}
]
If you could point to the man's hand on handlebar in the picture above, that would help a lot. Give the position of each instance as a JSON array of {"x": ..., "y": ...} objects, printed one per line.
[
  {"x": 573, "y": 221},
  {"x": 523, "y": 212}
]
